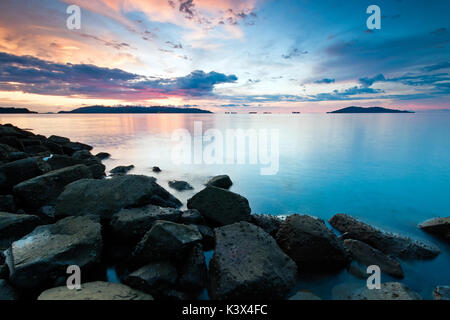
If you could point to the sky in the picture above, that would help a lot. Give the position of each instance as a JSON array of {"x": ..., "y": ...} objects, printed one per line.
[{"x": 225, "y": 55}]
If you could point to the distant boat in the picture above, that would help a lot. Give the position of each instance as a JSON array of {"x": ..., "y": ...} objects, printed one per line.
[
  {"x": 252, "y": 112},
  {"x": 267, "y": 112}
]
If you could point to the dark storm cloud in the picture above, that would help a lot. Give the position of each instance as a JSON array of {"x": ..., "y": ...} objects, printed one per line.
[{"x": 32, "y": 75}]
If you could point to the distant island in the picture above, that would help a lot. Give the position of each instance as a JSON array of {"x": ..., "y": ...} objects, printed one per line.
[
  {"x": 369, "y": 110},
  {"x": 15, "y": 110},
  {"x": 135, "y": 109}
]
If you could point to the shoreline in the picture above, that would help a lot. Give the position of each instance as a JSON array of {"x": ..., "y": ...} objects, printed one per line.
[{"x": 53, "y": 185}]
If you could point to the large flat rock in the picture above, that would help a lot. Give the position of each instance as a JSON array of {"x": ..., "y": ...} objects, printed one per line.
[
  {"x": 15, "y": 226},
  {"x": 388, "y": 243},
  {"x": 42, "y": 257},
  {"x": 107, "y": 197},
  {"x": 439, "y": 227}
]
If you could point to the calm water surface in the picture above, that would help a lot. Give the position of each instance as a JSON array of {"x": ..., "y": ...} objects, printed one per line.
[{"x": 391, "y": 170}]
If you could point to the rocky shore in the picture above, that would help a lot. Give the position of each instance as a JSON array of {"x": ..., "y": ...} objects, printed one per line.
[{"x": 58, "y": 209}]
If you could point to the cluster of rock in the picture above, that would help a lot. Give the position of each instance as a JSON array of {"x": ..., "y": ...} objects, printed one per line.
[{"x": 58, "y": 210}]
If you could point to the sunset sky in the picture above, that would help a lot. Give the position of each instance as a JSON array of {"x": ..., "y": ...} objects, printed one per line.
[{"x": 225, "y": 55}]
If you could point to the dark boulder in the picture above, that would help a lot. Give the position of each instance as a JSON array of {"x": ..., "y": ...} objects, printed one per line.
[
  {"x": 222, "y": 181},
  {"x": 15, "y": 226},
  {"x": 5, "y": 152},
  {"x": 130, "y": 225},
  {"x": 193, "y": 272},
  {"x": 45, "y": 189},
  {"x": 165, "y": 240},
  {"x": 366, "y": 255},
  {"x": 153, "y": 278},
  {"x": 388, "y": 243},
  {"x": 309, "y": 242},
  {"x": 192, "y": 216},
  {"x": 70, "y": 148},
  {"x": 7, "y": 203},
  {"x": 102, "y": 156},
  {"x": 121, "y": 170},
  {"x": 107, "y": 197},
  {"x": 180, "y": 185},
  {"x": 267, "y": 222},
  {"x": 156, "y": 169},
  {"x": 219, "y": 206},
  {"x": 208, "y": 241},
  {"x": 42, "y": 257},
  {"x": 59, "y": 140},
  {"x": 439, "y": 227},
  {"x": 248, "y": 264},
  {"x": 15, "y": 172},
  {"x": 54, "y": 148},
  {"x": 13, "y": 142},
  {"x": 106, "y": 291}
]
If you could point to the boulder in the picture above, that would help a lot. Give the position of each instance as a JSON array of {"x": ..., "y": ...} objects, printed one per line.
[
  {"x": 388, "y": 291},
  {"x": 121, "y": 170},
  {"x": 208, "y": 241},
  {"x": 366, "y": 255},
  {"x": 304, "y": 295},
  {"x": 42, "y": 257},
  {"x": 165, "y": 240},
  {"x": 219, "y": 206},
  {"x": 59, "y": 140},
  {"x": 130, "y": 225},
  {"x": 153, "y": 278},
  {"x": 267, "y": 222},
  {"x": 248, "y": 264},
  {"x": 222, "y": 181},
  {"x": 83, "y": 155},
  {"x": 7, "y": 203},
  {"x": 193, "y": 272},
  {"x": 70, "y": 148},
  {"x": 192, "y": 216},
  {"x": 441, "y": 293},
  {"x": 388, "y": 243},
  {"x": 180, "y": 185},
  {"x": 45, "y": 189},
  {"x": 15, "y": 226},
  {"x": 309, "y": 242},
  {"x": 95, "y": 291},
  {"x": 102, "y": 156},
  {"x": 6, "y": 291},
  {"x": 15, "y": 172},
  {"x": 107, "y": 197},
  {"x": 439, "y": 227},
  {"x": 54, "y": 148},
  {"x": 156, "y": 169},
  {"x": 5, "y": 152},
  {"x": 13, "y": 142}
]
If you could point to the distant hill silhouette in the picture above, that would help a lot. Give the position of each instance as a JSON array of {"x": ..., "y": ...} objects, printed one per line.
[
  {"x": 15, "y": 110},
  {"x": 368, "y": 110},
  {"x": 135, "y": 109}
]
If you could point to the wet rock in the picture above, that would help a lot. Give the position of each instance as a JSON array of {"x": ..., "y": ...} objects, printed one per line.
[
  {"x": 366, "y": 255},
  {"x": 356, "y": 270},
  {"x": 102, "y": 156},
  {"x": 42, "y": 257},
  {"x": 3, "y": 267},
  {"x": 156, "y": 169},
  {"x": 304, "y": 295},
  {"x": 7, "y": 203},
  {"x": 388, "y": 291},
  {"x": 180, "y": 185},
  {"x": 219, "y": 206},
  {"x": 130, "y": 225},
  {"x": 388, "y": 243},
  {"x": 5, "y": 152},
  {"x": 248, "y": 264},
  {"x": 7, "y": 292},
  {"x": 15, "y": 226},
  {"x": 165, "y": 240},
  {"x": 121, "y": 170},
  {"x": 59, "y": 140},
  {"x": 267, "y": 222},
  {"x": 107, "y": 197},
  {"x": 54, "y": 148},
  {"x": 192, "y": 216},
  {"x": 15, "y": 172},
  {"x": 222, "y": 181},
  {"x": 208, "y": 241},
  {"x": 37, "y": 150},
  {"x": 440, "y": 227},
  {"x": 309, "y": 242},
  {"x": 70, "y": 148},
  {"x": 13, "y": 142},
  {"x": 45, "y": 189},
  {"x": 441, "y": 293},
  {"x": 193, "y": 273},
  {"x": 95, "y": 291},
  {"x": 153, "y": 278}
]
